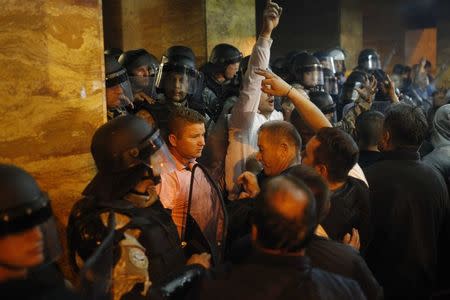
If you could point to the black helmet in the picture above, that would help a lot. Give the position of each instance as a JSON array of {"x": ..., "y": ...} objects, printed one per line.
[
  {"x": 369, "y": 59},
  {"x": 223, "y": 55},
  {"x": 323, "y": 101},
  {"x": 124, "y": 149},
  {"x": 133, "y": 59},
  {"x": 114, "y": 52},
  {"x": 180, "y": 60},
  {"x": 122, "y": 143},
  {"x": 23, "y": 207},
  {"x": 307, "y": 70},
  {"x": 357, "y": 79},
  {"x": 115, "y": 74}
]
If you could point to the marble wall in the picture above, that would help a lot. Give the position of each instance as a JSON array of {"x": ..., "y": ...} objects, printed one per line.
[
  {"x": 231, "y": 22},
  {"x": 156, "y": 25},
  {"x": 52, "y": 92}
]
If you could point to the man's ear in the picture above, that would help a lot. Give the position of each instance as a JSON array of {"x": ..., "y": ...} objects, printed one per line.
[
  {"x": 385, "y": 140},
  {"x": 172, "y": 140},
  {"x": 322, "y": 170}
]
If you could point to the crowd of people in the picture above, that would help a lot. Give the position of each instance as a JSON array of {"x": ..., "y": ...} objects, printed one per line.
[{"x": 248, "y": 179}]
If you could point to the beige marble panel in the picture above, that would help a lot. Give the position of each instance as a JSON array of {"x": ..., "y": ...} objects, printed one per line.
[
  {"x": 52, "y": 92},
  {"x": 443, "y": 47},
  {"x": 231, "y": 22},
  {"x": 351, "y": 30},
  {"x": 159, "y": 24}
]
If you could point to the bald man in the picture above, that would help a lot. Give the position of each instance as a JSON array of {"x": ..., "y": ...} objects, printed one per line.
[{"x": 285, "y": 219}]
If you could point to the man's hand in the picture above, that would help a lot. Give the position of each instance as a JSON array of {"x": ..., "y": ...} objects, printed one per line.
[
  {"x": 271, "y": 18},
  {"x": 273, "y": 85},
  {"x": 141, "y": 96},
  {"x": 249, "y": 182},
  {"x": 203, "y": 259},
  {"x": 352, "y": 240},
  {"x": 391, "y": 89},
  {"x": 368, "y": 92}
]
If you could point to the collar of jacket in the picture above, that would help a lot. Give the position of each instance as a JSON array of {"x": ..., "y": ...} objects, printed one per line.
[
  {"x": 400, "y": 154},
  {"x": 296, "y": 262}
]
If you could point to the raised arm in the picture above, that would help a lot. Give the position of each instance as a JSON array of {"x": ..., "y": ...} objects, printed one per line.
[
  {"x": 247, "y": 106},
  {"x": 274, "y": 85}
]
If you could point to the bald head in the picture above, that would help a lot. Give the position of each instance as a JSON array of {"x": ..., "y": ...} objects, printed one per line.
[{"x": 285, "y": 214}]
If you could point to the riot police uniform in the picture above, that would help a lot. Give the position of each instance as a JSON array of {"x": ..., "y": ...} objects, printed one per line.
[
  {"x": 216, "y": 93},
  {"x": 177, "y": 68},
  {"x": 307, "y": 71},
  {"x": 145, "y": 247}
]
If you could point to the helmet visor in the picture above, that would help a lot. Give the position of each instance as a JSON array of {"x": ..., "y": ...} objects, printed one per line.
[
  {"x": 312, "y": 76},
  {"x": 330, "y": 85},
  {"x": 176, "y": 81},
  {"x": 154, "y": 151},
  {"x": 372, "y": 63},
  {"x": 328, "y": 62}
]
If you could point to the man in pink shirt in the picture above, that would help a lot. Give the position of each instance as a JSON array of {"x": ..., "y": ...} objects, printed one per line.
[{"x": 186, "y": 139}]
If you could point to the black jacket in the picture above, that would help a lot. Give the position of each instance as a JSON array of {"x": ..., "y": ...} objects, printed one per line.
[
  {"x": 158, "y": 235},
  {"x": 349, "y": 209},
  {"x": 46, "y": 283},
  {"x": 265, "y": 276},
  {"x": 408, "y": 205},
  {"x": 341, "y": 259}
]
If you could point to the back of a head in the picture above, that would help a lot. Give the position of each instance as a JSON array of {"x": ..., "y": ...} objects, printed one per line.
[
  {"x": 282, "y": 130},
  {"x": 337, "y": 151},
  {"x": 318, "y": 186},
  {"x": 180, "y": 116},
  {"x": 369, "y": 128},
  {"x": 285, "y": 215},
  {"x": 406, "y": 124},
  {"x": 441, "y": 122}
]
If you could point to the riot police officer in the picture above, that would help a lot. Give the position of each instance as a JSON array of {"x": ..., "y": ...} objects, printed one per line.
[
  {"x": 177, "y": 84},
  {"x": 221, "y": 78},
  {"x": 119, "y": 95},
  {"x": 29, "y": 243},
  {"x": 368, "y": 60},
  {"x": 307, "y": 71},
  {"x": 129, "y": 155},
  {"x": 141, "y": 68}
]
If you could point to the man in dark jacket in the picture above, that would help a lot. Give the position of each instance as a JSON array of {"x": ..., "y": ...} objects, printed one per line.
[
  {"x": 278, "y": 269},
  {"x": 332, "y": 152},
  {"x": 409, "y": 203}
]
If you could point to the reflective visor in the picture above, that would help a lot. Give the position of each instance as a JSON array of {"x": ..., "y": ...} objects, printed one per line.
[
  {"x": 154, "y": 151},
  {"x": 116, "y": 78}
]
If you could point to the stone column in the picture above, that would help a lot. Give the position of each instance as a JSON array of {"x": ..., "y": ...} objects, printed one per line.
[
  {"x": 52, "y": 89},
  {"x": 156, "y": 25},
  {"x": 231, "y": 22},
  {"x": 200, "y": 24}
]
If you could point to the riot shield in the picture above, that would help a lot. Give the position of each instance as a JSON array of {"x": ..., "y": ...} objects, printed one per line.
[
  {"x": 95, "y": 277},
  {"x": 205, "y": 219}
]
